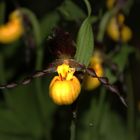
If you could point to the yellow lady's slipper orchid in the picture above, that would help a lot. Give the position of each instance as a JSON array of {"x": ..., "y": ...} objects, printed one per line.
[
  {"x": 113, "y": 29},
  {"x": 65, "y": 88},
  {"x": 13, "y": 29},
  {"x": 117, "y": 30},
  {"x": 110, "y": 3},
  {"x": 91, "y": 83},
  {"x": 126, "y": 33}
]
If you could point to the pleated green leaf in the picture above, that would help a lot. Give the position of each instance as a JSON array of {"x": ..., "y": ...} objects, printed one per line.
[{"x": 85, "y": 42}]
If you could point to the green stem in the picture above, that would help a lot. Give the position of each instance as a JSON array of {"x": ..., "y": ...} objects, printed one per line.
[
  {"x": 72, "y": 130},
  {"x": 130, "y": 113}
]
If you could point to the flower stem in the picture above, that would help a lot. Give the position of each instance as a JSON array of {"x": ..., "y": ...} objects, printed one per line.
[{"x": 73, "y": 127}]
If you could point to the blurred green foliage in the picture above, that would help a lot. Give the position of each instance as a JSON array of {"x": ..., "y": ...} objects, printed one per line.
[{"x": 28, "y": 113}]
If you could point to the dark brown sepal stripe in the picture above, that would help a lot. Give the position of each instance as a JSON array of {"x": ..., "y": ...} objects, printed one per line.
[
  {"x": 105, "y": 82},
  {"x": 28, "y": 79},
  {"x": 72, "y": 63}
]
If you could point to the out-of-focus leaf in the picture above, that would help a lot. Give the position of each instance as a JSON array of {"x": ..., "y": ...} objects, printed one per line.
[
  {"x": 127, "y": 6},
  {"x": 71, "y": 11},
  {"x": 138, "y": 125},
  {"x": 22, "y": 100},
  {"x": 121, "y": 58},
  {"x": 2, "y": 104},
  {"x": 35, "y": 24},
  {"x": 85, "y": 43},
  {"x": 112, "y": 78},
  {"x": 9, "y": 49},
  {"x": 14, "y": 137},
  {"x": 50, "y": 105},
  {"x": 110, "y": 124},
  {"x": 103, "y": 23},
  {"x": 7, "y": 53},
  {"x": 137, "y": 54},
  {"x": 85, "y": 123},
  {"x": 9, "y": 123},
  {"x": 25, "y": 110},
  {"x": 94, "y": 19},
  {"x": 48, "y": 22}
]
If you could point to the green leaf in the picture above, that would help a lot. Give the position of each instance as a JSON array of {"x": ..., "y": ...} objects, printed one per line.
[
  {"x": 109, "y": 131},
  {"x": 22, "y": 100},
  {"x": 112, "y": 78},
  {"x": 121, "y": 58},
  {"x": 9, "y": 122},
  {"x": 106, "y": 126},
  {"x": 85, "y": 42},
  {"x": 50, "y": 106},
  {"x": 14, "y": 137},
  {"x": 71, "y": 11},
  {"x": 127, "y": 7}
]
